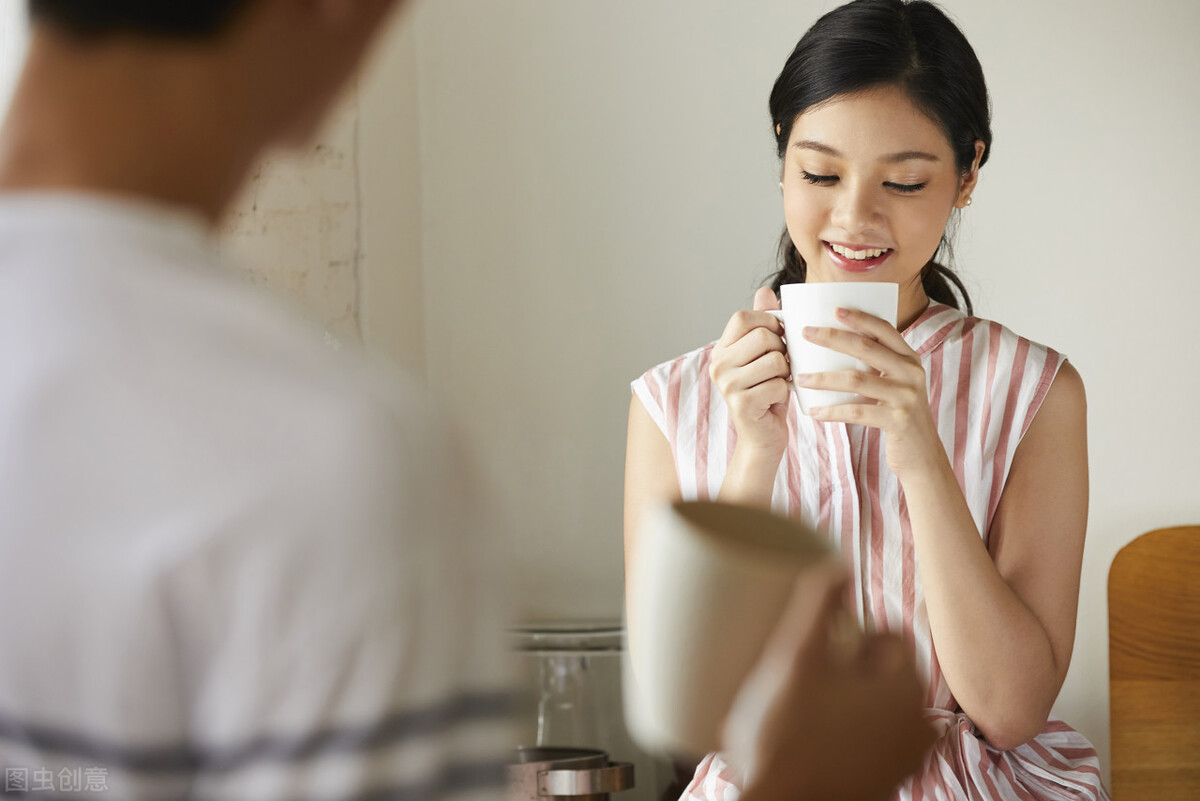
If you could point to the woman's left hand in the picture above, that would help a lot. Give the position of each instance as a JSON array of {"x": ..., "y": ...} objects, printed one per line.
[{"x": 895, "y": 399}]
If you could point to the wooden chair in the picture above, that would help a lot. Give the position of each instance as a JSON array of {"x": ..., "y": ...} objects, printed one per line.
[{"x": 1154, "y": 666}]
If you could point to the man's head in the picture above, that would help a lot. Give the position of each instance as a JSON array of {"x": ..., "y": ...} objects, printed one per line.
[
  {"x": 177, "y": 98},
  {"x": 182, "y": 19},
  {"x": 297, "y": 52}
]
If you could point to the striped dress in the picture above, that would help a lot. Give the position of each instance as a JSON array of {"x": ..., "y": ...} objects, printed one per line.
[{"x": 985, "y": 385}]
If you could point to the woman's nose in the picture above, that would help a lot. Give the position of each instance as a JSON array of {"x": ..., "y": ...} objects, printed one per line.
[{"x": 856, "y": 209}]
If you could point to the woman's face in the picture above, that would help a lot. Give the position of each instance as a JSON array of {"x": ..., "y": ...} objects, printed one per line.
[{"x": 869, "y": 183}]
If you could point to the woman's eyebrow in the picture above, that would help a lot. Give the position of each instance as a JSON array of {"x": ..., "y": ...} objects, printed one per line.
[
  {"x": 811, "y": 144},
  {"x": 909, "y": 155},
  {"x": 893, "y": 158}
]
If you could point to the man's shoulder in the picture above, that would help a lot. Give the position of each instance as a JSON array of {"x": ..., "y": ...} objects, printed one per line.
[{"x": 134, "y": 355}]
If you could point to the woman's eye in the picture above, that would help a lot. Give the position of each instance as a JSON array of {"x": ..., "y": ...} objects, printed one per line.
[
  {"x": 819, "y": 180},
  {"x": 906, "y": 188}
]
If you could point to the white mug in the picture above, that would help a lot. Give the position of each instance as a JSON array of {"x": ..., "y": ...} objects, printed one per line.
[
  {"x": 708, "y": 584},
  {"x": 816, "y": 305}
]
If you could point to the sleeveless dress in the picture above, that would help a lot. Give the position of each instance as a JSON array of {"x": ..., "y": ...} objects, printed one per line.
[{"x": 985, "y": 385}]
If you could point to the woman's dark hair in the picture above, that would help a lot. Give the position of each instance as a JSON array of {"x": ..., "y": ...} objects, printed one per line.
[
  {"x": 176, "y": 19},
  {"x": 910, "y": 45}
]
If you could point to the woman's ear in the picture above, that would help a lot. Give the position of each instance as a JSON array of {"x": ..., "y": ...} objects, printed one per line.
[{"x": 971, "y": 178}]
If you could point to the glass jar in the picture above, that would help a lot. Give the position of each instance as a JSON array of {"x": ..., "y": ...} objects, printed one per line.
[{"x": 571, "y": 671}]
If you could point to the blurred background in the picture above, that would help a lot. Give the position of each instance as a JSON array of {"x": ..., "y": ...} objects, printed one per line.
[{"x": 529, "y": 203}]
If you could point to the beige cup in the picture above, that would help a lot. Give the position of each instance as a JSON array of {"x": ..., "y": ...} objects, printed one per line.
[
  {"x": 817, "y": 305},
  {"x": 707, "y": 586}
]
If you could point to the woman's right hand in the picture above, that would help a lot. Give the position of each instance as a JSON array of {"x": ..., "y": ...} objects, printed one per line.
[{"x": 750, "y": 369}]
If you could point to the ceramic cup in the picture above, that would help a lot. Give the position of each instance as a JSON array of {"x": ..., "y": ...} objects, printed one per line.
[
  {"x": 816, "y": 305},
  {"x": 707, "y": 585}
]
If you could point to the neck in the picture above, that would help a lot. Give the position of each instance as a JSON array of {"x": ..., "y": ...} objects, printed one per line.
[
  {"x": 912, "y": 303},
  {"x": 150, "y": 120}
]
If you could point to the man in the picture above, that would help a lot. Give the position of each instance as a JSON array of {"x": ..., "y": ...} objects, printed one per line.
[{"x": 233, "y": 565}]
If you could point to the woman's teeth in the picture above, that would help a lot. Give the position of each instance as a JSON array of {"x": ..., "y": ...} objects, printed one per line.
[{"x": 870, "y": 253}]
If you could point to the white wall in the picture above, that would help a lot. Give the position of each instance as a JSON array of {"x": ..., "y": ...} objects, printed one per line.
[
  {"x": 559, "y": 172},
  {"x": 296, "y": 227},
  {"x": 392, "y": 307},
  {"x": 14, "y": 33},
  {"x": 597, "y": 193}
]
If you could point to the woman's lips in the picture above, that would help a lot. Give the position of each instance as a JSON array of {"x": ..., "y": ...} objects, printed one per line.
[{"x": 855, "y": 265}]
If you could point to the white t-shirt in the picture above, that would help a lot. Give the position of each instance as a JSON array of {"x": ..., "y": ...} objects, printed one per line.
[{"x": 233, "y": 563}]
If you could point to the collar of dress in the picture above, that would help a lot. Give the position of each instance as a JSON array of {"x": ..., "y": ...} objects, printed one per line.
[{"x": 931, "y": 328}]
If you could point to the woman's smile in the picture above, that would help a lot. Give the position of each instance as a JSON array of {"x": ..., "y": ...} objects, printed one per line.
[{"x": 856, "y": 258}]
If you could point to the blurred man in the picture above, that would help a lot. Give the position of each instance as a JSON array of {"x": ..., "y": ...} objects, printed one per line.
[{"x": 232, "y": 563}]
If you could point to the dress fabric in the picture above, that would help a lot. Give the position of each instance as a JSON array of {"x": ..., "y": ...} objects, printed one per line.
[{"x": 985, "y": 384}]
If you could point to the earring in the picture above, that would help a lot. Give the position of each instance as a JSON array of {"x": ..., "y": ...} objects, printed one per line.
[
  {"x": 781, "y": 186},
  {"x": 969, "y": 200}
]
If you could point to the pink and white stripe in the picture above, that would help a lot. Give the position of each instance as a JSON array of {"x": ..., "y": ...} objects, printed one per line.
[{"x": 985, "y": 386}]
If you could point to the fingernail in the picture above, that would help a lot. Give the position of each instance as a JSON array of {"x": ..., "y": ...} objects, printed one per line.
[
  {"x": 809, "y": 332},
  {"x": 802, "y": 378},
  {"x": 843, "y": 313}
]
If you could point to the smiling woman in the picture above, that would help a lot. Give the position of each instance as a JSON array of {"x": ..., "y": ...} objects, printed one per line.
[{"x": 956, "y": 489}]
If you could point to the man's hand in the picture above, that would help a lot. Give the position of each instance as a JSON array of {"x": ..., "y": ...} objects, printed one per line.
[{"x": 823, "y": 717}]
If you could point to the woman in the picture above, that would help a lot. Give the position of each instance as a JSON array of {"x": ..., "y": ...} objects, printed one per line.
[{"x": 958, "y": 490}]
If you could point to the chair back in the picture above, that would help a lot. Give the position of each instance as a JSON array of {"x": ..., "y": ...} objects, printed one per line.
[{"x": 1154, "y": 666}]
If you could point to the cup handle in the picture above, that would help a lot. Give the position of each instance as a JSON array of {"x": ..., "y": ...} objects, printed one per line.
[{"x": 778, "y": 315}]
